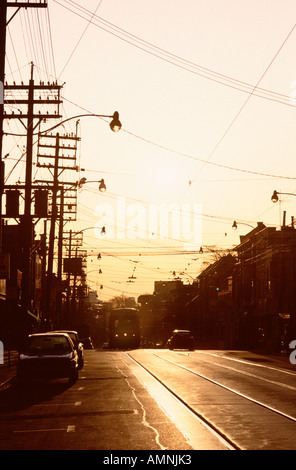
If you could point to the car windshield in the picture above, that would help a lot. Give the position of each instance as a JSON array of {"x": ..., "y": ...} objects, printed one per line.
[
  {"x": 73, "y": 337},
  {"x": 38, "y": 345}
]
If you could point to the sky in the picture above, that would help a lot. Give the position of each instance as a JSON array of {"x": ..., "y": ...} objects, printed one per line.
[{"x": 206, "y": 94}]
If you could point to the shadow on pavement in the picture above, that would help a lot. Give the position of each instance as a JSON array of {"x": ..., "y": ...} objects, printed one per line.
[{"x": 20, "y": 396}]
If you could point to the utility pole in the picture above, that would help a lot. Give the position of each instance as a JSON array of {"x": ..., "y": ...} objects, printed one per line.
[
  {"x": 60, "y": 320},
  {"x": 27, "y": 220},
  {"x": 30, "y": 115},
  {"x": 73, "y": 266},
  {"x": 4, "y": 5},
  {"x": 52, "y": 228},
  {"x": 3, "y": 14},
  {"x": 58, "y": 157}
]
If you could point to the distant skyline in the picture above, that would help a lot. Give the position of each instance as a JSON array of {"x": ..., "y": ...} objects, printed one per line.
[{"x": 206, "y": 94}]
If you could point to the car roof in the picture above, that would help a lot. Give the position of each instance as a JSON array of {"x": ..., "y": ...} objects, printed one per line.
[
  {"x": 64, "y": 331},
  {"x": 50, "y": 333},
  {"x": 181, "y": 331}
]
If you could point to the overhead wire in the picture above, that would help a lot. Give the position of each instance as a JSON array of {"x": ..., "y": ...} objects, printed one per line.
[
  {"x": 186, "y": 155},
  {"x": 80, "y": 38},
  {"x": 229, "y": 127},
  {"x": 40, "y": 54},
  {"x": 173, "y": 59},
  {"x": 52, "y": 54}
]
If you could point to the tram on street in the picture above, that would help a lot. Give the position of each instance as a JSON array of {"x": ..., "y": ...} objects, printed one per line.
[{"x": 124, "y": 328}]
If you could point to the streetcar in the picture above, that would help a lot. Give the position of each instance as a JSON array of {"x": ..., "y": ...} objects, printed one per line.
[{"x": 124, "y": 328}]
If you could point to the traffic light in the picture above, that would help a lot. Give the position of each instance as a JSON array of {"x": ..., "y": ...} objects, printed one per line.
[{"x": 65, "y": 287}]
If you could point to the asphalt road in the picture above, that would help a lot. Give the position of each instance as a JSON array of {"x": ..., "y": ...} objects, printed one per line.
[
  {"x": 203, "y": 400},
  {"x": 107, "y": 408}
]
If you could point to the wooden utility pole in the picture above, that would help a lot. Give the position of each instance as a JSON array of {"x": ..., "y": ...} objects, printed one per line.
[
  {"x": 26, "y": 220},
  {"x": 3, "y": 14},
  {"x": 4, "y": 5},
  {"x": 52, "y": 228},
  {"x": 60, "y": 320},
  {"x": 58, "y": 157}
]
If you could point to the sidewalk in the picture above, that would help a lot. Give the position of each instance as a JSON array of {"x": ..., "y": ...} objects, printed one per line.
[{"x": 8, "y": 369}]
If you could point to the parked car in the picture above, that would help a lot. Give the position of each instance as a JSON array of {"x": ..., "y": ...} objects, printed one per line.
[
  {"x": 181, "y": 339},
  {"x": 87, "y": 343},
  {"x": 78, "y": 345},
  {"x": 48, "y": 356}
]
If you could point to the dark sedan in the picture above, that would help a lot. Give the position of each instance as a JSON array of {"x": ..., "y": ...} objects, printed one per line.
[
  {"x": 48, "y": 356},
  {"x": 78, "y": 345},
  {"x": 181, "y": 339}
]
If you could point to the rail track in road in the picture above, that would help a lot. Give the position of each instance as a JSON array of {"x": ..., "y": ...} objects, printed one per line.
[{"x": 245, "y": 406}]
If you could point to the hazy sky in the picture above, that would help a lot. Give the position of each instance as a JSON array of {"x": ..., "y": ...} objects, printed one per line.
[{"x": 206, "y": 93}]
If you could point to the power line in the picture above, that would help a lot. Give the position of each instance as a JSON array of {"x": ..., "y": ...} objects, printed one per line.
[
  {"x": 186, "y": 155},
  {"x": 173, "y": 59},
  {"x": 79, "y": 40},
  {"x": 247, "y": 100}
]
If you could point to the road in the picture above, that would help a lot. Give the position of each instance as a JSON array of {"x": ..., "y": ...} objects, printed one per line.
[{"x": 156, "y": 400}]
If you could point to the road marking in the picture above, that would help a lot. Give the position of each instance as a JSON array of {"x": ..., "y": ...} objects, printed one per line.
[
  {"x": 40, "y": 430},
  {"x": 62, "y": 404},
  {"x": 70, "y": 428},
  {"x": 280, "y": 384},
  {"x": 247, "y": 362}
]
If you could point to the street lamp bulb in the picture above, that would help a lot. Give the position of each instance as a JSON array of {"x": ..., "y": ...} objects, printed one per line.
[
  {"x": 115, "y": 124},
  {"x": 102, "y": 186},
  {"x": 234, "y": 225},
  {"x": 275, "y": 196}
]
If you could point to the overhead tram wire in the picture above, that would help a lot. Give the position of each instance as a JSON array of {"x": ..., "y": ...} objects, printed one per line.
[
  {"x": 205, "y": 161},
  {"x": 51, "y": 42},
  {"x": 214, "y": 76},
  {"x": 80, "y": 38},
  {"x": 229, "y": 127},
  {"x": 113, "y": 196},
  {"x": 186, "y": 155},
  {"x": 179, "y": 153}
]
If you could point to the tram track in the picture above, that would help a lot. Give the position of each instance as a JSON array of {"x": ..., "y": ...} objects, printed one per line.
[
  {"x": 255, "y": 376},
  {"x": 220, "y": 435},
  {"x": 242, "y": 395},
  {"x": 229, "y": 439}
]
